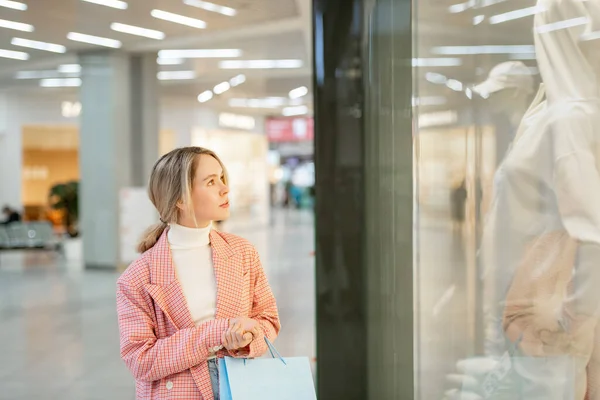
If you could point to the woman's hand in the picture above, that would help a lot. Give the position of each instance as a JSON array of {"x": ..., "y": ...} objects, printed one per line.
[{"x": 241, "y": 332}]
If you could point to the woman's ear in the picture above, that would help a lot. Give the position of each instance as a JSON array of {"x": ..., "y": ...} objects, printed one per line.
[{"x": 180, "y": 205}]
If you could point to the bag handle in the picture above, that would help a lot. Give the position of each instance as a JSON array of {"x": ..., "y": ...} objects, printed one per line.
[{"x": 273, "y": 349}]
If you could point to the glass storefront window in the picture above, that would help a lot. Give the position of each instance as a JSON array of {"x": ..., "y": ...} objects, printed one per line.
[
  {"x": 507, "y": 202},
  {"x": 458, "y": 225}
]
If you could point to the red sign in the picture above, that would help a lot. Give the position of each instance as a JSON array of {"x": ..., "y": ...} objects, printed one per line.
[{"x": 290, "y": 129}]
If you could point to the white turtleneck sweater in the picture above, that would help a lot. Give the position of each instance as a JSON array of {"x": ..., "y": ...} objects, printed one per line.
[{"x": 192, "y": 259}]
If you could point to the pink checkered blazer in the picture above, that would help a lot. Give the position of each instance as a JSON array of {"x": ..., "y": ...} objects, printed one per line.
[{"x": 165, "y": 351}]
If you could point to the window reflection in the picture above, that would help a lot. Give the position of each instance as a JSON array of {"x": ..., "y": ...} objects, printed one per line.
[{"x": 508, "y": 199}]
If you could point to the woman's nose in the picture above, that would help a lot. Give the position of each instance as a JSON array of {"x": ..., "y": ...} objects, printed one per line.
[{"x": 224, "y": 190}]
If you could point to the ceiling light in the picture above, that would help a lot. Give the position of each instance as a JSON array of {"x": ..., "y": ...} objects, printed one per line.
[
  {"x": 296, "y": 102},
  {"x": 591, "y": 36},
  {"x": 260, "y": 64},
  {"x": 136, "y": 30},
  {"x": 178, "y": 19},
  {"x": 205, "y": 5},
  {"x": 36, "y": 74},
  {"x": 291, "y": 111},
  {"x": 478, "y": 19},
  {"x": 15, "y": 5},
  {"x": 15, "y": 55},
  {"x": 202, "y": 53},
  {"x": 436, "y": 62},
  {"x": 298, "y": 92},
  {"x": 523, "y": 56},
  {"x": 121, "y": 5},
  {"x": 516, "y": 14},
  {"x": 439, "y": 118},
  {"x": 205, "y": 96},
  {"x": 460, "y": 7},
  {"x": 222, "y": 88},
  {"x": 34, "y": 44},
  {"x": 487, "y": 3},
  {"x": 436, "y": 78},
  {"x": 176, "y": 75},
  {"x": 169, "y": 61},
  {"x": 17, "y": 26},
  {"x": 429, "y": 101},
  {"x": 69, "y": 68},
  {"x": 237, "y": 80},
  {"x": 68, "y": 82},
  {"x": 569, "y": 23},
  {"x": 229, "y": 120},
  {"x": 267, "y": 102},
  {"x": 469, "y": 93},
  {"x": 487, "y": 49},
  {"x": 97, "y": 40},
  {"x": 455, "y": 85}
]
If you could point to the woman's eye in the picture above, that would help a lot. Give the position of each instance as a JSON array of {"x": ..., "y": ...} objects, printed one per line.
[{"x": 211, "y": 182}]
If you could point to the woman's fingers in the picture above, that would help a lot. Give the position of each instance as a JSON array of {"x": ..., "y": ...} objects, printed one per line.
[
  {"x": 239, "y": 338},
  {"x": 236, "y": 337},
  {"x": 231, "y": 339},
  {"x": 255, "y": 332},
  {"x": 231, "y": 335},
  {"x": 224, "y": 341}
]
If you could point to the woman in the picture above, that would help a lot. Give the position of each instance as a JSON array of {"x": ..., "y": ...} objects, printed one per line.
[{"x": 195, "y": 294}]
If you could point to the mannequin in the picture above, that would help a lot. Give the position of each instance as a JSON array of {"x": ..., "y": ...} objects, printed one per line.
[
  {"x": 510, "y": 102},
  {"x": 541, "y": 245},
  {"x": 506, "y": 93}
]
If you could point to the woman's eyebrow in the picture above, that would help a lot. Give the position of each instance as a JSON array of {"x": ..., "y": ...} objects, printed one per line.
[{"x": 212, "y": 176}]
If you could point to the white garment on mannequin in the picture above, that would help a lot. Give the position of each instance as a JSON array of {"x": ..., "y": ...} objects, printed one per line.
[{"x": 549, "y": 182}]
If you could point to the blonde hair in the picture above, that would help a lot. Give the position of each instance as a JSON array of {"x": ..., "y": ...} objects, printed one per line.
[{"x": 171, "y": 182}]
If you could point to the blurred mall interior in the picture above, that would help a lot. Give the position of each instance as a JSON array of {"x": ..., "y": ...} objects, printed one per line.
[{"x": 419, "y": 177}]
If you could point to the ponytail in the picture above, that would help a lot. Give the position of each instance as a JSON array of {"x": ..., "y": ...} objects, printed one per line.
[{"x": 151, "y": 236}]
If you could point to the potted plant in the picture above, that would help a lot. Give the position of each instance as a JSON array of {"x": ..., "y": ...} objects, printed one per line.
[{"x": 65, "y": 198}]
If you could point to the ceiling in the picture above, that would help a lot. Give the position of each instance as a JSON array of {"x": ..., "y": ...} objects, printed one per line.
[{"x": 261, "y": 29}]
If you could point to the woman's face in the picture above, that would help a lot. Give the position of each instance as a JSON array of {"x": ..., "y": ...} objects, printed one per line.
[{"x": 209, "y": 193}]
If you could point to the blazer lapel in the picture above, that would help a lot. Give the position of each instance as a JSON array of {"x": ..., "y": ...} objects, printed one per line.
[
  {"x": 229, "y": 276},
  {"x": 164, "y": 288}
]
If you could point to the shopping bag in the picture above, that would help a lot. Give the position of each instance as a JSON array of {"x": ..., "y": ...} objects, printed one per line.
[{"x": 274, "y": 378}]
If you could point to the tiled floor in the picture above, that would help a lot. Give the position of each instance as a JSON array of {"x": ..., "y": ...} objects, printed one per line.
[{"x": 59, "y": 337}]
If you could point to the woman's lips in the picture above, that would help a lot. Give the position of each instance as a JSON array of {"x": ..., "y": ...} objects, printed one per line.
[{"x": 224, "y": 205}]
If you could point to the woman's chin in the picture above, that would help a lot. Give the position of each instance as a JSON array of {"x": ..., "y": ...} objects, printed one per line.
[{"x": 223, "y": 215}]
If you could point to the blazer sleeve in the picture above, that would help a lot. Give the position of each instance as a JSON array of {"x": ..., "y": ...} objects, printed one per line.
[
  {"x": 264, "y": 310},
  {"x": 150, "y": 358}
]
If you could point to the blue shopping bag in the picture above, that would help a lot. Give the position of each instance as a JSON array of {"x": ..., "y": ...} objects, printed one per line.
[{"x": 266, "y": 378}]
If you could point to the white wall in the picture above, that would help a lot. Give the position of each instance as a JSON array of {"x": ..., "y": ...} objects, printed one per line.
[
  {"x": 44, "y": 108},
  {"x": 24, "y": 109}
]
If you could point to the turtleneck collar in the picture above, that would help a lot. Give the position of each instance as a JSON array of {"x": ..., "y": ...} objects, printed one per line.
[{"x": 186, "y": 238}]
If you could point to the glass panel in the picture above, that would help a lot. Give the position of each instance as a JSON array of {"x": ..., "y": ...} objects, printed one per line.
[
  {"x": 388, "y": 193},
  {"x": 507, "y": 198}
]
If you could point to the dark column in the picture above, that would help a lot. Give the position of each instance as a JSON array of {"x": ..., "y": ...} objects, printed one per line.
[
  {"x": 364, "y": 169},
  {"x": 340, "y": 207}
]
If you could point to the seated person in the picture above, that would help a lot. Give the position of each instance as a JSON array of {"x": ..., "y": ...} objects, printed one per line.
[{"x": 11, "y": 215}]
